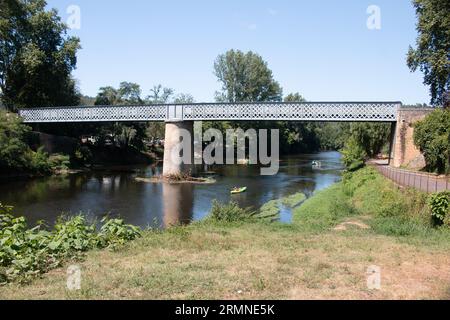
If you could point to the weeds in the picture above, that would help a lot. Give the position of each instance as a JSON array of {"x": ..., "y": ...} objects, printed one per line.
[{"x": 25, "y": 253}]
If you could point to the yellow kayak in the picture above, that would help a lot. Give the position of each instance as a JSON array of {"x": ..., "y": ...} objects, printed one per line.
[{"x": 240, "y": 190}]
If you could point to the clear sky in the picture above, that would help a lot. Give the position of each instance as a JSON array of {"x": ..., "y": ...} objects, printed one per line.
[{"x": 320, "y": 48}]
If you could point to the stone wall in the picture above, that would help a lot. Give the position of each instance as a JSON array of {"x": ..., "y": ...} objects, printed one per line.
[{"x": 405, "y": 152}]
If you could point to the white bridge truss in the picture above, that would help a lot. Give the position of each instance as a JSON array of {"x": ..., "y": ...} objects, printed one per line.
[{"x": 304, "y": 111}]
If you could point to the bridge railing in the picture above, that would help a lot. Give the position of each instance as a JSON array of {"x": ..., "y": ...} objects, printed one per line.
[{"x": 306, "y": 111}]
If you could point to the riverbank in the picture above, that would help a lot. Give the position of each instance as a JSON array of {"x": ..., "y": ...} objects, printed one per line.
[{"x": 335, "y": 236}]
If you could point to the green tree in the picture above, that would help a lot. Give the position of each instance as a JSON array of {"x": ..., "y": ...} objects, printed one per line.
[
  {"x": 353, "y": 154},
  {"x": 125, "y": 135},
  {"x": 160, "y": 95},
  {"x": 372, "y": 137},
  {"x": 130, "y": 93},
  {"x": 432, "y": 137},
  {"x": 36, "y": 56},
  {"x": 432, "y": 54},
  {"x": 107, "y": 96},
  {"x": 245, "y": 77},
  {"x": 15, "y": 154},
  {"x": 297, "y": 136}
]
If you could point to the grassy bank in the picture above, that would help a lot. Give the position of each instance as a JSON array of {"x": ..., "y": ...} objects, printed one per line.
[{"x": 335, "y": 237}]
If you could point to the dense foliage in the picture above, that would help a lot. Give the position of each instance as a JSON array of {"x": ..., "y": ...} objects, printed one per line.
[
  {"x": 353, "y": 154},
  {"x": 440, "y": 207},
  {"x": 245, "y": 77},
  {"x": 37, "y": 57},
  {"x": 230, "y": 212},
  {"x": 364, "y": 140},
  {"x": 431, "y": 54},
  {"x": 15, "y": 154},
  {"x": 26, "y": 252},
  {"x": 432, "y": 137}
]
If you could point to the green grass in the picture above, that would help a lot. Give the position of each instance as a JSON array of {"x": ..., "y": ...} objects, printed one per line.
[
  {"x": 324, "y": 210},
  {"x": 400, "y": 213}
]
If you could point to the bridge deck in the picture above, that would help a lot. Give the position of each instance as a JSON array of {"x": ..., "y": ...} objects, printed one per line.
[{"x": 307, "y": 111}]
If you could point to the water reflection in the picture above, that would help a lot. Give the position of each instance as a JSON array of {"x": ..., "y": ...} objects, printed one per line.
[
  {"x": 178, "y": 204},
  {"x": 159, "y": 205}
]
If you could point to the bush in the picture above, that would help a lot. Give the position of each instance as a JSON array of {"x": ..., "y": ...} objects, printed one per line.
[
  {"x": 230, "y": 212},
  {"x": 25, "y": 253},
  {"x": 115, "y": 232},
  {"x": 40, "y": 162},
  {"x": 440, "y": 207},
  {"x": 15, "y": 154},
  {"x": 59, "y": 161},
  {"x": 432, "y": 137},
  {"x": 353, "y": 155},
  {"x": 82, "y": 156}
]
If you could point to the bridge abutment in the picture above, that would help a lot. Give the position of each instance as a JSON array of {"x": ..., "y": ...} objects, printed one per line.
[
  {"x": 178, "y": 155},
  {"x": 405, "y": 153}
]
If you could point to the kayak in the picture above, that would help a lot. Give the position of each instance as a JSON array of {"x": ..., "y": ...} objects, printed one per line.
[{"x": 240, "y": 190}]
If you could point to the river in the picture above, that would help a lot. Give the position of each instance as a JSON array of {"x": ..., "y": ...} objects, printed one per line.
[{"x": 116, "y": 192}]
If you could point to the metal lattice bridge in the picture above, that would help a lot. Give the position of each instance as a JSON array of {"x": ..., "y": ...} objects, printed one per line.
[{"x": 305, "y": 111}]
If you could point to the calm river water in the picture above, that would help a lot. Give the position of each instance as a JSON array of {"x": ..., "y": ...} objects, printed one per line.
[{"x": 146, "y": 204}]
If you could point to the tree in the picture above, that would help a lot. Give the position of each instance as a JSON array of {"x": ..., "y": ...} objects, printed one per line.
[
  {"x": 372, "y": 137},
  {"x": 432, "y": 137},
  {"x": 245, "y": 77},
  {"x": 332, "y": 135},
  {"x": 431, "y": 55},
  {"x": 353, "y": 154},
  {"x": 107, "y": 96},
  {"x": 162, "y": 95},
  {"x": 15, "y": 154},
  {"x": 294, "y": 97},
  {"x": 159, "y": 95},
  {"x": 130, "y": 93},
  {"x": 37, "y": 57},
  {"x": 125, "y": 135},
  {"x": 297, "y": 136}
]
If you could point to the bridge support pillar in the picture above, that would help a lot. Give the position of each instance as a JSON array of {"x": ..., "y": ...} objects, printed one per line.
[
  {"x": 405, "y": 153},
  {"x": 178, "y": 148}
]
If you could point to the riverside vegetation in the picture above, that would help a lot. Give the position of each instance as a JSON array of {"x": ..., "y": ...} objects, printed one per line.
[{"x": 233, "y": 254}]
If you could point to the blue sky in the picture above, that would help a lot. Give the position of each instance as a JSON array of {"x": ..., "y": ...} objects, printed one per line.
[{"x": 322, "y": 49}]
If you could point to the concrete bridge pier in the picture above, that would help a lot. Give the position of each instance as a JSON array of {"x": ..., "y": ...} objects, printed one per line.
[{"x": 179, "y": 155}]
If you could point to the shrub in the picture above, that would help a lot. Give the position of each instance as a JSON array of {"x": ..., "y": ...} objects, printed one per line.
[
  {"x": 25, "y": 253},
  {"x": 40, "y": 162},
  {"x": 440, "y": 207},
  {"x": 82, "y": 156},
  {"x": 432, "y": 137},
  {"x": 14, "y": 152},
  {"x": 59, "y": 161},
  {"x": 230, "y": 212},
  {"x": 353, "y": 155},
  {"x": 115, "y": 232}
]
